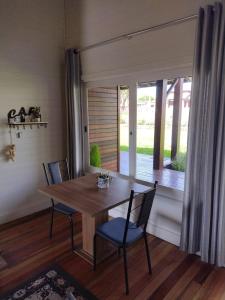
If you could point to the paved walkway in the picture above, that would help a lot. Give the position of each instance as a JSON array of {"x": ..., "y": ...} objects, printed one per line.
[
  {"x": 144, "y": 163},
  {"x": 145, "y": 171}
]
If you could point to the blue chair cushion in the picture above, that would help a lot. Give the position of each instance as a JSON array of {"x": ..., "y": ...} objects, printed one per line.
[
  {"x": 114, "y": 231},
  {"x": 64, "y": 209}
]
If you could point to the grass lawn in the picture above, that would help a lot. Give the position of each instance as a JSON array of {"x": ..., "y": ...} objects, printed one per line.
[
  {"x": 144, "y": 150},
  {"x": 145, "y": 139}
]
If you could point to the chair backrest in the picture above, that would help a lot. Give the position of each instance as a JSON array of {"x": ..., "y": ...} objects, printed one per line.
[
  {"x": 56, "y": 172},
  {"x": 144, "y": 209}
]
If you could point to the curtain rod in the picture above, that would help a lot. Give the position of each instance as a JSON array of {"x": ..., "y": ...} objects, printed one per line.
[{"x": 138, "y": 32}]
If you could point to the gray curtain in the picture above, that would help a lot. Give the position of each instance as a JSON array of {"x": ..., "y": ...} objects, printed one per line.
[
  {"x": 203, "y": 228},
  {"x": 74, "y": 114}
]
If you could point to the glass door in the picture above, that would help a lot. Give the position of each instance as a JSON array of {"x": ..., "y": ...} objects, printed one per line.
[
  {"x": 146, "y": 101},
  {"x": 124, "y": 130}
]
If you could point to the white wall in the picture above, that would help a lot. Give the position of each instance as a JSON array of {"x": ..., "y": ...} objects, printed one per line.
[
  {"x": 31, "y": 74},
  {"x": 171, "y": 47}
]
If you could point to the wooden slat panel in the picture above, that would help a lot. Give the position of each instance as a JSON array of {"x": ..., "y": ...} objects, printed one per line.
[
  {"x": 103, "y": 117},
  {"x": 102, "y": 95},
  {"x": 107, "y": 144},
  {"x": 98, "y": 126},
  {"x": 112, "y": 129},
  {"x": 109, "y": 150},
  {"x": 99, "y": 118},
  {"x": 106, "y": 112},
  {"x": 109, "y": 157},
  {"x": 101, "y": 104},
  {"x": 99, "y": 140},
  {"x": 97, "y": 106},
  {"x": 108, "y": 100},
  {"x": 110, "y": 165},
  {"x": 107, "y": 90},
  {"x": 103, "y": 124},
  {"x": 103, "y": 134}
]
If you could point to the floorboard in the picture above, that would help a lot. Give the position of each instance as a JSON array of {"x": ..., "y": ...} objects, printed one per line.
[{"x": 28, "y": 250}]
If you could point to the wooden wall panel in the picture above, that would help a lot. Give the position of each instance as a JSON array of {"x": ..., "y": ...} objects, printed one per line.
[{"x": 103, "y": 124}]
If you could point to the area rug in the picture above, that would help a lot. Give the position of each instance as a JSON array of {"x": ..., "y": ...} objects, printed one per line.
[{"x": 52, "y": 284}]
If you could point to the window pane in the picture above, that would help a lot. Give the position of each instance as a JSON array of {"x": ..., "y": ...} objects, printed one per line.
[
  {"x": 186, "y": 103},
  {"x": 177, "y": 117},
  {"x": 124, "y": 129},
  {"x": 146, "y": 97},
  {"x": 168, "y": 121}
]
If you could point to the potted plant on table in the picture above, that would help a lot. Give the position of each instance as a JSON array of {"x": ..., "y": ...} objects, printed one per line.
[{"x": 103, "y": 180}]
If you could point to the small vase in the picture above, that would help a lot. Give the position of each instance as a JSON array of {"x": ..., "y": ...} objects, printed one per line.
[{"x": 103, "y": 183}]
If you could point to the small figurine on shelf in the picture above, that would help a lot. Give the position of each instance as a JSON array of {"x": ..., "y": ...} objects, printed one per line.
[
  {"x": 35, "y": 114},
  {"x": 10, "y": 152}
]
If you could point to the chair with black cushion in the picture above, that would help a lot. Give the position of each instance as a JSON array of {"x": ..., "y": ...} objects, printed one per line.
[
  {"x": 123, "y": 233},
  {"x": 57, "y": 172}
]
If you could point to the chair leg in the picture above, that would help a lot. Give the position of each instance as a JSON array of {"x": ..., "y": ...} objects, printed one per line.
[
  {"x": 51, "y": 223},
  {"x": 95, "y": 253},
  {"x": 125, "y": 269},
  {"x": 147, "y": 254},
  {"x": 71, "y": 228}
]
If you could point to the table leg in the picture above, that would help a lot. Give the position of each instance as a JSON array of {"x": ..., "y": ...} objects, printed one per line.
[{"x": 89, "y": 224}]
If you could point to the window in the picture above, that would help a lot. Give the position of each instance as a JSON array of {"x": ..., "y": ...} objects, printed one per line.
[
  {"x": 146, "y": 99},
  {"x": 124, "y": 129},
  {"x": 141, "y": 130},
  {"x": 162, "y": 126}
]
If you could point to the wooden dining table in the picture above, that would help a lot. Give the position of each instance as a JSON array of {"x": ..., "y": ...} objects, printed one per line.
[{"x": 93, "y": 203}]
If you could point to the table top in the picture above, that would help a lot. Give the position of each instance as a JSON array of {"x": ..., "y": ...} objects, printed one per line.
[{"x": 83, "y": 194}]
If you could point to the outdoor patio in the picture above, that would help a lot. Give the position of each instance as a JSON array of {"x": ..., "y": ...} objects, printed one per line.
[{"x": 165, "y": 177}]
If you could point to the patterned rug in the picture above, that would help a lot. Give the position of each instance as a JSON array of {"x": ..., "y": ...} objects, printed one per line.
[{"x": 52, "y": 284}]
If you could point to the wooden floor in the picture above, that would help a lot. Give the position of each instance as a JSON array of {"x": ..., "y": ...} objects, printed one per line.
[{"x": 28, "y": 250}]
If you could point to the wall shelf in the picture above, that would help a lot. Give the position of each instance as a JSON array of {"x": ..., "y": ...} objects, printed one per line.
[{"x": 26, "y": 124}]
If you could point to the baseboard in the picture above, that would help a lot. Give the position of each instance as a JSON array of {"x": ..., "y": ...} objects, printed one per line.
[
  {"x": 164, "y": 233},
  {"x": 22, "y": 215},
  {"x": 24, "y": 219}
]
